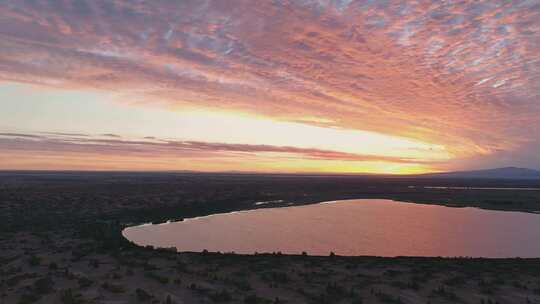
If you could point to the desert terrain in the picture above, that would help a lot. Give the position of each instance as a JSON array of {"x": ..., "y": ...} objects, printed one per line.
[{"x": 61, "y": 242}]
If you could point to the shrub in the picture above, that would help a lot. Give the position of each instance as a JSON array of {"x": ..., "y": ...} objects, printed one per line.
[
  {"x": 68, "y": 297},
  {"x": 159, "y": 278},
  {"x": 222, "y": 296},
  {"x": 252, "y": 299},
  {"x": 28, "y": 298},
  {"x": 85, "y": 282},
  {"x": 34, "y": 260},
  {"x": 44, "y": 285},
  {"x": 276, "y": 277},
  {"x": 142, "y": 295},
  {"x": 113, "y": 288}
]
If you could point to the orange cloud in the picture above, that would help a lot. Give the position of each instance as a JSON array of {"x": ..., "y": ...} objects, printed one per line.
[{"x": 161, "y": 148}]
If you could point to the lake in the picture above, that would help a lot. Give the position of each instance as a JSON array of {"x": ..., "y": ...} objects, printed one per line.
[{"x": 353, "y": 227}]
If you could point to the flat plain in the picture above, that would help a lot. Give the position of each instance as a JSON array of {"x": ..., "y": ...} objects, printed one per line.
[{"x": 61, "y": 242}]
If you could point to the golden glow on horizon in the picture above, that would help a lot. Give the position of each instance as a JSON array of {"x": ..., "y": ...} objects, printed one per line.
[
  {"x": 225, "y": 140},
  {"x": 372, "y": 167},
  {"x": 245, "y": 129},
  {"x": 96, "y": 162}
]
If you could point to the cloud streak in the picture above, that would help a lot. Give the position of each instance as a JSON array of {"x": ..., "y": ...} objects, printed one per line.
[{"x": 154, "y": 147}]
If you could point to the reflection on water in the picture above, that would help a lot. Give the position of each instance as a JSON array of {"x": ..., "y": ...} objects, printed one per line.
[{"x": 354, "y": 227}]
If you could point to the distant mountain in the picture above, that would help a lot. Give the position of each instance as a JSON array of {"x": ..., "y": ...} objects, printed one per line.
[{"x": 499, "y": 173}]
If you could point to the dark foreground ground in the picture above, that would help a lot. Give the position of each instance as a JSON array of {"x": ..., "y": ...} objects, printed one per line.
[{"x": 60, "y": 242}]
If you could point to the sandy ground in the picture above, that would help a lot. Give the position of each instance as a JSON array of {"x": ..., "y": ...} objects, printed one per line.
[{"x": 57, "y": 268}]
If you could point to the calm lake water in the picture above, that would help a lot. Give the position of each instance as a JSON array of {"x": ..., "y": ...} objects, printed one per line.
[{"x": 354, "y": 227}]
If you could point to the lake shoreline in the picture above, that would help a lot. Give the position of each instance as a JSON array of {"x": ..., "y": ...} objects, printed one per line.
[{"x": 243, "y": 232}]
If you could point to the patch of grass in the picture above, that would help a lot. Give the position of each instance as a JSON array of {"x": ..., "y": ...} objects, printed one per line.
[
  {"x": 388, "y": 298},
  {"x": 143, "y": 295},
  {"x": 28, "y": 298},
  {"x": 445, "y": 293},
  {"x": 161, "y": 279},
  {"x": 34, "y": 261},
  {"x": 221, "y": 296},
  {"x": 114, "y": 288},
  {"x": 69, "y": 297}
]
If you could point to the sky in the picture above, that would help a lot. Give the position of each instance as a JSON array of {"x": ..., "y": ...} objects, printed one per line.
[{"x": 315, "y": 86}]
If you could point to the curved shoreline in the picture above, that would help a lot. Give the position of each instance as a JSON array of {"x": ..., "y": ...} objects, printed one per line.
[{"x": 490, "y": 216}]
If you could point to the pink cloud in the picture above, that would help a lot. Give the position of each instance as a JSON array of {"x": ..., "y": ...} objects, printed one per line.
[
  {"x": 159, "y": 148},
  {"x": 461, "y": 74}
]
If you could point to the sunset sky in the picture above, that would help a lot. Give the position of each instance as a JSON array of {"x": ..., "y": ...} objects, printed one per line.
[{"x": 338, "y": 86}]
